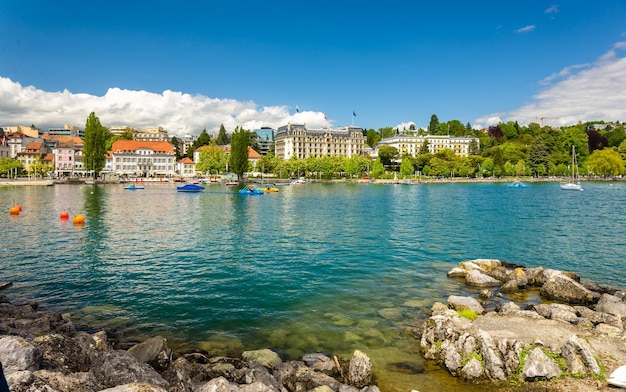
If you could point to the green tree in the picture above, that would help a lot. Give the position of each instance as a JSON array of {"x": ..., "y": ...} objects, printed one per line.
[
  {"x": 212, "y": 159},
  {"x": 372, "y": 138},
  {"x": 378, "y": 169},
  {"x": 605, "y": 162},
  {"x": 178, "y": 147},
  {"x": 8, "y": 166},
  {"x": 387, "y": 154},
  {"x": 222, "y": 137},
  {"x": 238, "y": 160},
  {"x": 432, "y": 126},
  {"x": 406, "y": 166},
  {"x": 538, "y": 159},
  {"x": 474, "y": 148},
  {"x": 94, "y": 147}
]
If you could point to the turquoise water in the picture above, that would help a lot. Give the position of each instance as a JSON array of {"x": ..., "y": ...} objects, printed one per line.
[{"x": 320, "y": 267}]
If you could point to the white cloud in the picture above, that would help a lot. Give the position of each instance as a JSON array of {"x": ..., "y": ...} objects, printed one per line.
[
  {"x": 525, "y": 29},
  {"x": 405, "y": 126},
  {"x": 591, "y": 92},
  {"x": 177, "y": 112},
  {"x": 552, "y": 10}
]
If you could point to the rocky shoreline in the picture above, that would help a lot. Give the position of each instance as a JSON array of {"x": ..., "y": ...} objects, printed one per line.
[
  {"x": 570, "y": 343},
  {"x": 48, "y": 352}
]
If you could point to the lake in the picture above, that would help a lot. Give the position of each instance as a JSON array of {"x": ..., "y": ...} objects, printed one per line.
[{"x": 318, "y": 267}]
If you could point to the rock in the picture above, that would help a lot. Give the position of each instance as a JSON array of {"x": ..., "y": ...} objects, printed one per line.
[
  {"x": 473, "y": 370},
  {"x": 599, "y": 317},
  {"x": 612, "y": 305},
  {"x": 565, "y": 289},
  {"x": 511, "y": 351},
  {"x": 119, "y": 367},
  {"x": 557, "y": 312},
  {"x": 62, "y": 354},
  {"x": 452, "y": 358},
  {"x": 461, "y": 303},
  {"x": 154, "y": 351},
  {"x": 178, "y": 376},
  {"x": 134, "y": 387},
  {"x": 478, "y": 279},
  {"x": 489, "y": 352},
  {"x": 17, "y": 354},
  {"x": 265, "y": 357},
  {"x": 219, "y": 384},
  {"x": 538, "y": 366},
  {"x": 321, "y": 363},
  {"x": 485, "y": 294},
  {"x": 360, "y": 371},
  {"x": 75, "y": 382},
  {"x": 457, "y": 272},
  {"x": 295, "y": 376},
  {"x": 579, "y": 357},
  {"x": 486, "y": 264},
  {"x": 509, "y": 308}
]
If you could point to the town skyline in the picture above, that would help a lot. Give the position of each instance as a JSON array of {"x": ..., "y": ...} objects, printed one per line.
[{"x": 395, "y": 66}]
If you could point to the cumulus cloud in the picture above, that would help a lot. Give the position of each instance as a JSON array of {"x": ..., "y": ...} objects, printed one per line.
[
  {"x": 591, "y": 92},
  {"x": 406, "y": 126},
  {"x": 177, "y": 112},
  {"x": 525, "y": 29}
]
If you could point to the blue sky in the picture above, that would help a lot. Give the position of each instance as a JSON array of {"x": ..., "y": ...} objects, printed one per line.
[{"x": 197, "y": 65}]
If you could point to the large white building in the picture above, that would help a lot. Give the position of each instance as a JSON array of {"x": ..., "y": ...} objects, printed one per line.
[
  {"x": 296, "y": 140},
  {"x": 412, "y": 144},
  {"x": 143, "y": 158}
]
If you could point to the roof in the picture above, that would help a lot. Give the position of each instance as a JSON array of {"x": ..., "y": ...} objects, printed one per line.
[
  {"x": 34, "y": 146},
  {"x": 64, "y": 139},
  {"x": 134, "y": 145},
  {"x": 186, "y": 161}
]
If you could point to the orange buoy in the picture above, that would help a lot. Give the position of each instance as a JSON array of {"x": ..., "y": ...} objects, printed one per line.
[
  {"x": 15, "y": 210},
  {"x": 19, "y": 207},
  {"x": 64, "y": 215},
  {"x": 79, "y": 219}
]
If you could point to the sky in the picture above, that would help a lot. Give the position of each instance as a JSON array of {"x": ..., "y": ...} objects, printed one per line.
[{"x": 193, "y": 65}]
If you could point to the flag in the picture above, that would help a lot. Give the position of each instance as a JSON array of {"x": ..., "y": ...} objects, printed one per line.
[
  {"x": 353, "y": 114},
  {"x": 325, "y": 118},
  {"x": 297, "y": 109}
]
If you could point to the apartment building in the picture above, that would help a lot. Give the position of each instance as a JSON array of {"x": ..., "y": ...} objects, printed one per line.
[{"x": 296, "y": 140}]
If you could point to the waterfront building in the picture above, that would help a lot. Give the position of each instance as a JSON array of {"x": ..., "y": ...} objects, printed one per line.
[
  {"x": 118, "y": 130},
  {"x": 65, "y": 154},
  {"x": 155, "y": 134},
  {"x": 143, "y": 158},
  {"x": 67, "y": 130},
  {"x": 412, "y": 144},
  {"x": 186, "y": 167},
  {"x": 186, "y": 142},
  {"x": 295, "y": 140},
  {"x": 5, "y": 151},
  {"x": 33, "y": 152},
  {"x": 265, "y": 139},
  {"x": 18, "y": 141}
]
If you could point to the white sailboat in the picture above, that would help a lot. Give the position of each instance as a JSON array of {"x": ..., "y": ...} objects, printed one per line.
[{"x": 574, "y": 184}]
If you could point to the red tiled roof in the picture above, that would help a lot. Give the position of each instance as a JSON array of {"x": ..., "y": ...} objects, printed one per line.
[
  {"x": 133, "y": 145},
  {"x": 186, "y": 161}
]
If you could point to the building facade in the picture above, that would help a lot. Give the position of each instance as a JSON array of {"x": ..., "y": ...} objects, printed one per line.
[
  {"x": 155, "y": 134},
  {"x": 265, "y": 139},
  {"x": 143, "y": 158},
  {"x": 412, "y": 144},
  {"x": 67, "y": 130},
  {"x": 295, "y": 140}
]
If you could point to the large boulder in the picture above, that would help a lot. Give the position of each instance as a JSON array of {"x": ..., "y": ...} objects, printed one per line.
[
  {"x": 62, "y": 354},
  {"x": 360, "y": 373},
  {"x": 565, "y": 289},
  {"x": 612, "y": 305},
  {"x": 479, "y": 279},
  {"x": 119, "y": 367},
  {"x": 539, "y": 366},
  {"x": 579, "y": 356},
  {"x": 17, "y": 354},
  {"x": 459, "y": 303},
  {"x": 265, "y": 357},
  {"x": 154, "y": 351}
]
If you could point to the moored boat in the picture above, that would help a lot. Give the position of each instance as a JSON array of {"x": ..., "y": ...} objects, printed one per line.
[
  {"x": 190, "y": 188},
  {"x": 250, "y": 190},
  {"x": 133, "y": 187}
]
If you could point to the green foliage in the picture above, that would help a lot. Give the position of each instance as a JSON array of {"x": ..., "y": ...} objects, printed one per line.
[
  {"x": 372, "y": 138},
  {"x": 605, "y": 162},
  {"x": 238, "y": 160},
  {"x": 472, "y": 355},
  {"x": 432, "y": 126},
  {"x": 387, "y": 154},
  {"x": 468, "y": 314},
  {"x": 406, "y": 166},
  {"x": 378, "y": 169},
  {"x": 94, "y": 150},
  {"x": 212, "y": 160},
  {"x": 222, "y": 138}
]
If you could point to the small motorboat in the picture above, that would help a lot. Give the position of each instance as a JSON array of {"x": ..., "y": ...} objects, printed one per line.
[
  {"x": 132, "y": 187},
  {"x": 517, "y": 184},
  {"x": 268, "y": 188},
  {"x": 190, "y": 188},
  {"x": 250, "y": 190}
]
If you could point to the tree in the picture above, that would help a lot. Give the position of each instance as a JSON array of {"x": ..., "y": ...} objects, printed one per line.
[
  {"x": 177, "y": 143},
  {"x": 222, "y": 138},
  {"x": 378, "y": 169},
  {"x": 212, "y": 158},
  {"x": 372, "y": 138},
  {"x": 387, "y": 154},
  {"x": 538, "y": 159},
  {"x": 238, "y": 160},
  {"x": 474, "y": 148},
  {"x": 94, "y": 147},
  {"x": 406, "y": 166},
  {"x": 432, "y": 126},
  {"x": 606, "y": 162}
]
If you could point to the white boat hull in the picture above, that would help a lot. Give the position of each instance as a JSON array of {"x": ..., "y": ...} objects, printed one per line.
[{"x": 570, "y": 186}]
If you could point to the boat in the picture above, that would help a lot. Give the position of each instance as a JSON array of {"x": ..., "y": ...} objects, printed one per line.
[
  {"x": 90, "y": 182},
  {"x": 250, "y": 190},
  {"x": 132, "y": 187},
  {"x": 231, "y": 183},
  {"x": 297, "y": 181},
  {"x": 268, "y": 188},
  {"x": 190, "y": 188},
  {"x": 517, "y": 184},
  {"x": 574, "y": 184}
]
